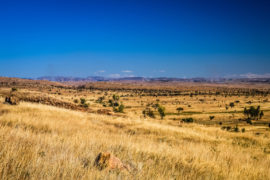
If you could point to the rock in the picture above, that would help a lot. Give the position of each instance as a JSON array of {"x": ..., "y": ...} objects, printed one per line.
[
  {"x": 106, "y": 160},
  {"x": 12, "y": 100}
]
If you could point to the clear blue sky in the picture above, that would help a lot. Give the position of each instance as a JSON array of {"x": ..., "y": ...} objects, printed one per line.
[{"x": 134, "y": 38}]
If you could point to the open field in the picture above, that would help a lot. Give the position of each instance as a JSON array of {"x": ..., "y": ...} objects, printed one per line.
[{"x": 52, "y": 134}]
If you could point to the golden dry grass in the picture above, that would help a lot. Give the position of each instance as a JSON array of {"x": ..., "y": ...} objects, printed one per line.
[{"x": 45, "y": 142}]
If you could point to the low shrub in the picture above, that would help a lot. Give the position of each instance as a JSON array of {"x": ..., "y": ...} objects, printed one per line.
[{"x": 188, "y": 120}]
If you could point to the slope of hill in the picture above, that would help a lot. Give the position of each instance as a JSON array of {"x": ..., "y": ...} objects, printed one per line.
[{"x": 44, "y": 142}]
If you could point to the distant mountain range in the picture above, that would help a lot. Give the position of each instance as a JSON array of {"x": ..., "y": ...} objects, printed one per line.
[{"x": 161, "y": 79}]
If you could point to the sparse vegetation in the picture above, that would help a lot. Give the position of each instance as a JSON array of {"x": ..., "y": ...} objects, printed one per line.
[{"x": 148, "y": 112}]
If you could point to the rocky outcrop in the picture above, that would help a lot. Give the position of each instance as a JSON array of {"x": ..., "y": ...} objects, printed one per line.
[{"x": 106, "y": 160}]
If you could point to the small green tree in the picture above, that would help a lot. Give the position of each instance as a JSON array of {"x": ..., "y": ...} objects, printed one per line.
[
  {"x": 231, "y": 105},
  {"x": 86, "y": 105},
  {"x": 83, "y": 101},
  {"x": 161, "y": 111},
  {"x": 119, "y": 109}
]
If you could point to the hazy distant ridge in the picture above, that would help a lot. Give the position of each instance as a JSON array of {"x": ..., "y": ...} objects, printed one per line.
[{"x": 162, "y": 79}]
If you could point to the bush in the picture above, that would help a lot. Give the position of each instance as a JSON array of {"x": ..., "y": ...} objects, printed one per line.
[
  {"x": 120, "y": 109},
  {"x": 249, "y": 121},
  {"x": 161, "y": 111},
  {"x": 100, "y": 99},
  {"x": 14, "y": 89},
  {"x": 188, "y": 120},
  {"x": 236, "y": 129},
  {"x": 211, "y": 117},
  {"x": 148, "y": 112},
  {"x": 76, "y": 101},
  {"x": 113, "y": 103},
  {"x": 83, "y": 101},
  {"x": 179, "y": 109},
  {"x": 243, "y": 130},
  {"x": 85, "y": 105},
  {"x": 227, "y": 128}
]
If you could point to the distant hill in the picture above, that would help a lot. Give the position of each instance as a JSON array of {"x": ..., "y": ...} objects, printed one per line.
[
  {"x": 65, "y": 79},
  {"x": 21, "y": 81},
  {"x": 159, "y": 79}
]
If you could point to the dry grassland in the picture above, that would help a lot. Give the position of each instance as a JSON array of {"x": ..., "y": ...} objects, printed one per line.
[{"x": 40, "y": 141}]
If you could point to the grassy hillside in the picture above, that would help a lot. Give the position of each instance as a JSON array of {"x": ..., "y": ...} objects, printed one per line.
[{"x": 44, "y": 142}]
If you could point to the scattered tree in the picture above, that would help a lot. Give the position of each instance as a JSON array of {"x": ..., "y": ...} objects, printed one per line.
[
  {"x": 231, "y": 105},
  {"x": 161, "y": 111},
  {"x": 120, "y": 109},
  {"x": 83, "y": 101},
  {"x": 253, "y": 113}
]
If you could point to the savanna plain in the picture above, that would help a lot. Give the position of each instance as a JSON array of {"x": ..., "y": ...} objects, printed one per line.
[{"x": 158, "y": 130}]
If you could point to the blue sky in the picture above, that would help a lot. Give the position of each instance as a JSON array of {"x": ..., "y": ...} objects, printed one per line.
[{"x": 134, "y": 38}]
